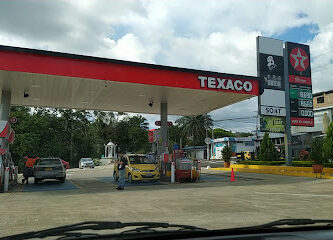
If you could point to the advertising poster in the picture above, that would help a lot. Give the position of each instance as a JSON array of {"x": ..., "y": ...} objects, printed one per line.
[{"x": 272, "y": 124}]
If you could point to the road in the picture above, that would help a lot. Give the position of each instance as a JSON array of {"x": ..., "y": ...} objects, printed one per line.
[{"x": 214, "y": 202}]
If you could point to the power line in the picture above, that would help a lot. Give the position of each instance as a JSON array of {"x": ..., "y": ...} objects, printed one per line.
[
  {"x": 233, "y": 119},
  {"x": 323, "y": 69},
  {"x": 323, "y": 65},
  {"x": 328, "y": 50},
  {"x": 227, "y": 128}
]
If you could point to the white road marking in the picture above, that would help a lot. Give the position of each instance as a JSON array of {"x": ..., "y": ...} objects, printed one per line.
[{"x": 295, "y": 194}]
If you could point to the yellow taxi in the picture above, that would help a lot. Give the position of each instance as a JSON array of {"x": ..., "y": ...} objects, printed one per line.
[{"x": 139, "y": 168}]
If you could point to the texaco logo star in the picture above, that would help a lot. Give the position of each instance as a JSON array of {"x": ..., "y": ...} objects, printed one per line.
[{"x": 299, "y": 59}]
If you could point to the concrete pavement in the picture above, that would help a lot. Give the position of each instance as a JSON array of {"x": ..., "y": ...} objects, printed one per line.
[{"x": 212, "y": 203}]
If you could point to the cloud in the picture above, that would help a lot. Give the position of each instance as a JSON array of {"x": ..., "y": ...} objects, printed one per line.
[
  {"x": 216, "y": 52},
  {"x": 322, "y": 61},
  {"x": 212, "y": 35},
  {"x": 129, "y": 47}
]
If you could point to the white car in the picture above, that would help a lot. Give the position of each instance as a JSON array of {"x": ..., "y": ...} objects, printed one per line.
[
  {"x": 49, "y": 168},
  {"x": 86, "y": 162}
]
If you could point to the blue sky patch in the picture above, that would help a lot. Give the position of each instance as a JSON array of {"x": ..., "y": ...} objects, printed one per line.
[
  {"x": 300, "y": 34},
  {"x": 119, "y": 31}
]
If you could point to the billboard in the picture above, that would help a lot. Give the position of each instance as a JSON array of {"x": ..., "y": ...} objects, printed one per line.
[
  {"x": 272, "y": 124},
  {"x": 271, "y": 75},
  {"x": 300, "y": 85}
]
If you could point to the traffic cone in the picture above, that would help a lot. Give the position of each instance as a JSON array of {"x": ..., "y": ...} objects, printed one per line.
[{"x": 232, "y": 177}]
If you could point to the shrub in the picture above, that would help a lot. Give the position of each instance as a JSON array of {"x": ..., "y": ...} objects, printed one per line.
[
  {"x": 97, "y": 162},
  {"x": 226, "y": 153},
  {"x": 309, "y": 164},
  {"x": 317, "y": 154},
  {"x": 304, "y": 155},
  {"x": 280, "y": 163},
  {"x": 269, "y": 163},
  {"x": 328, "y": 165},
  {"x": 302, "y": 164}
]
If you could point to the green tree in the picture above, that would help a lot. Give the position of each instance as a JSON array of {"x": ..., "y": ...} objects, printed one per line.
[
  {"x": 131, "y": 134},
  {"x": 328, "y": 143},
  {"x": 73, "y": 134},
  {"x": 138, "y": 134},
  {"x": 243, "y": 134},
  {"x": 176, "y": 137},
  {"x": 317, "y": 154},
  {"x": 267, "y": 150},
  {"x": 193, "y": 128},
  {"x": 220, "y": 133}
]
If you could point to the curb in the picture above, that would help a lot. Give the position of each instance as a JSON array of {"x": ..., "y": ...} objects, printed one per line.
[{"x": 280, "y": 170}]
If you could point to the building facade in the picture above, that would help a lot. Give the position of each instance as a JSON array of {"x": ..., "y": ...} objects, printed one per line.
[
  {"x": 323, "y": 112},
  {"x": 246, "y": 144},
  {"x": 323, "y": 115}
]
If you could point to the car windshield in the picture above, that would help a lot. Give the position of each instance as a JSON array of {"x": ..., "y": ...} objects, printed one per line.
[
  {"x": 140, "y": 160},
  {"x": 215, "y": 114},
  {"x": 86, "y": 160},
  {"x": 49, "y": 161}
]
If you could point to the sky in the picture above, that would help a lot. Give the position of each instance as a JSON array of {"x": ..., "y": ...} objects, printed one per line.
[{"x": 207, "y": 35}]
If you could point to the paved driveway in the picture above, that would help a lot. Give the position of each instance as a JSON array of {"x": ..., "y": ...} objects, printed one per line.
[{"x": 215, "y": 202}]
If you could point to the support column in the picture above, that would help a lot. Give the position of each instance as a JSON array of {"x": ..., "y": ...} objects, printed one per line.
[
  {"x": 5, "y": 105},
  {"x": 287, "y": 135},
  {"x": 164, "y": 127},
  {"x": 4, "y": 114}
]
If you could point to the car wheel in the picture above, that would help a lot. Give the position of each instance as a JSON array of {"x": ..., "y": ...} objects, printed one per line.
[
  {"x": 62, "y": 180},
  {"x": 36, "y": 181},
  {"x": 130, "y": 178}
]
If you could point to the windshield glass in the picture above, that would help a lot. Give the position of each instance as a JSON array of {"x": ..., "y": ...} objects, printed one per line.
[
  {"x": 49, "y": 161},
  {"x": 215, "y": 114},
  {"x": 86, "y": 160},
  {"x": 140, "y": 160}
]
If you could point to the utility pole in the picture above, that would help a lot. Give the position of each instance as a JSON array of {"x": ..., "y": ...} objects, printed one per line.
[
  {"x": 71, "y": 142},
  {"x": 207, "y": 137},
  {"x": 211, "y": 149}
]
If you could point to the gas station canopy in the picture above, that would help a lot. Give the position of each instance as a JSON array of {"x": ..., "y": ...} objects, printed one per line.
[{"x": 60, "y": 80}]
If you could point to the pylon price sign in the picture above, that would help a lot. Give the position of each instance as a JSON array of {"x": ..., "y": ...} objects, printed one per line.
[{"x": 300, "y": 85}]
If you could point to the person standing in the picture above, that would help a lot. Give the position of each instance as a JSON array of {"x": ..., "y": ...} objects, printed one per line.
[
  {"x": 121, "y": 172},
  {"x": 28, "y": 169}
]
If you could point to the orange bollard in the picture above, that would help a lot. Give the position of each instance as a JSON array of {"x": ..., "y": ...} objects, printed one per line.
[{"x": 232, "y": 177}]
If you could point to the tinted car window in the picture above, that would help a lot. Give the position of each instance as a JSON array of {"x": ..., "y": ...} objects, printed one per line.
[
  {"x": 49, "y": 161},
  {"x": 140, "y": 160},
  {"x": 86, "y": 160}
]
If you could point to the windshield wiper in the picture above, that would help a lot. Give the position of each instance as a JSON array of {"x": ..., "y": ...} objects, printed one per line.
[
  {"x": 295, "y": 222},
  {"x": 73, "y": 231},
  {"x": 78, "y": 231}
]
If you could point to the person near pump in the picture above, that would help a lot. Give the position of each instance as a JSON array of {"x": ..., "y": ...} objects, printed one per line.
[
  {"x": 121, "y": 172},
  {"x": 28, "y": 169}
]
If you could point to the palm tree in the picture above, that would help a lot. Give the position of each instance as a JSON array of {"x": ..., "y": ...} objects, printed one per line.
[{"x": 194, "y": 127}]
